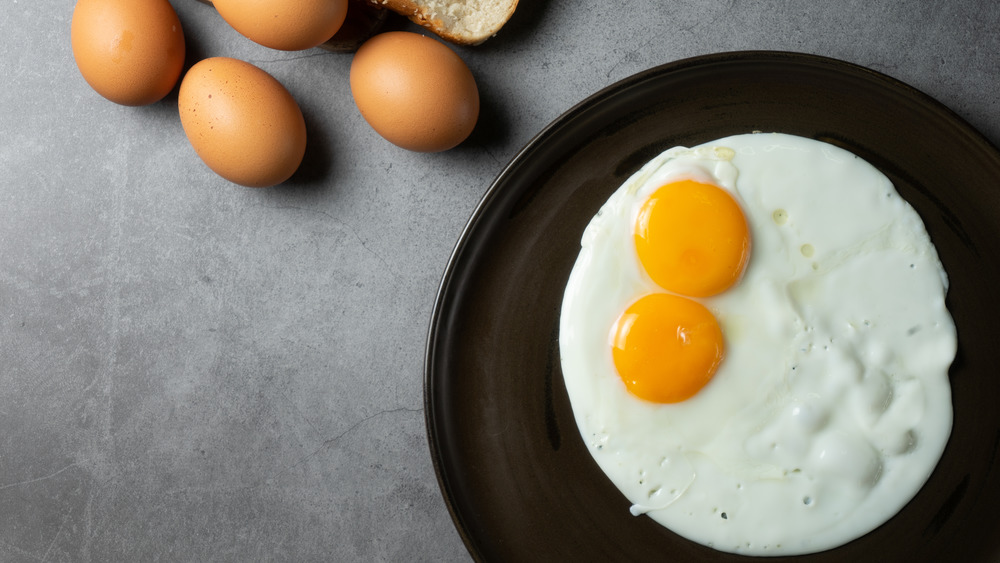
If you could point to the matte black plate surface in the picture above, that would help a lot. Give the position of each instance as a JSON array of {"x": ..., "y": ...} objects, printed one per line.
[{"x": 514, "y": 472}]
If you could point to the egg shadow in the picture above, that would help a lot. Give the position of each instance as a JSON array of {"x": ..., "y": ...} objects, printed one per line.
[
  {"x": 492, "y": 127},
  {"x": 317, "y": 162}
]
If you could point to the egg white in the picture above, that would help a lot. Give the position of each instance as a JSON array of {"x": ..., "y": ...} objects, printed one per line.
[{"x": 832, "y": 406}]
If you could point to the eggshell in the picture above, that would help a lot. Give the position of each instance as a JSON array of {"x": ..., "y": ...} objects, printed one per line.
[
  {"x": 129, "y": 51},
  {"x": 289, "y": 25},
  {"x": 242, "y": 122},
  {"x": 414, "y": 91}
]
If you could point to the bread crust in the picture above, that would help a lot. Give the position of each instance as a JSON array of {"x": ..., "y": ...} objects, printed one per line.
[{"x": 419, "y": 13}]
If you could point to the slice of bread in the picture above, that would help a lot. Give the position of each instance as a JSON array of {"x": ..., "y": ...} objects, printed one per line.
[{"x": 466, "y": 22}]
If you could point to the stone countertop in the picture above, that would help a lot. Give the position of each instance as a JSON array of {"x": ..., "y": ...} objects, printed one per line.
[{"x": 195, "y": 371}]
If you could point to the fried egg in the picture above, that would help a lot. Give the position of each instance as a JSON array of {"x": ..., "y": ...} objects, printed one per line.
[{"x": 762, "y": 368}]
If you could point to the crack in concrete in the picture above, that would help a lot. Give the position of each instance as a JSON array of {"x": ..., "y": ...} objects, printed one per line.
[
  {"x": 346, "y": 226},
  {"x": 36, "y": 479}
]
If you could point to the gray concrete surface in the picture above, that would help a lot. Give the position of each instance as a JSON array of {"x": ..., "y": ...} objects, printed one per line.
[{"x": 194, "y": 371}]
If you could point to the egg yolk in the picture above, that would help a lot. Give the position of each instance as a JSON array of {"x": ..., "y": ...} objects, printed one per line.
[
  {"x": 692, "y": 238},
  {"x": 666, "y": 347}
]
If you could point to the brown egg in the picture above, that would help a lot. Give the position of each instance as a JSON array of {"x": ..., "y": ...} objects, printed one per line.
[
  {"x": 242, "y": 122},
  {"x": 129, "y": 51},
  {"x": 289, "y": 25},
  {"x": 414, "y": 91}
]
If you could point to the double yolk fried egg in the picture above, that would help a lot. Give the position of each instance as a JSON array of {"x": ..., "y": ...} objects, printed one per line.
[{"x": 755, "y": 344}]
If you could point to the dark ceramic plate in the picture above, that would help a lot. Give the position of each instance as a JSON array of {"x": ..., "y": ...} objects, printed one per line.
[{"x": 513, "y": 469}]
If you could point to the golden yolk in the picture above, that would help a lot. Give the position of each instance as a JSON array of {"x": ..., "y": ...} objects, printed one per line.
[
  {"x": 692, "y": 238},
  {"x": 666, "y": 347}
]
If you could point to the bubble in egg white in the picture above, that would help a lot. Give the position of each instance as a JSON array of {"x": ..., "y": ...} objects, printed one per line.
[{"x": 832, "y": 406}]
